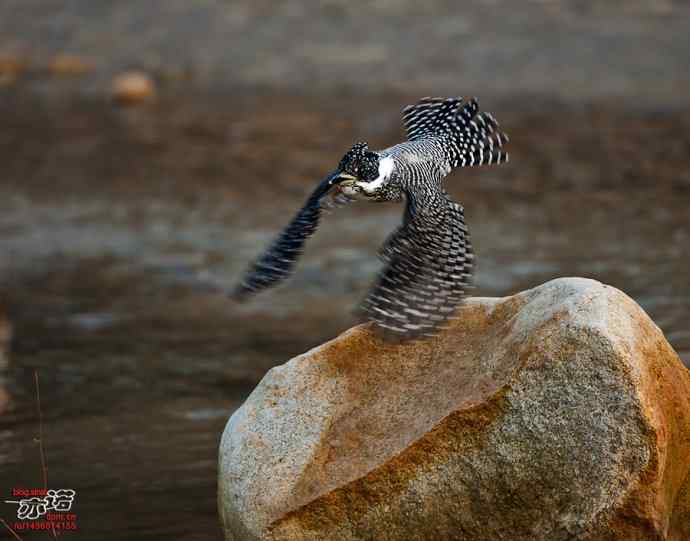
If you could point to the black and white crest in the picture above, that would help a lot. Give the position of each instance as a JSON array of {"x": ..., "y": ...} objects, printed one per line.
[
  {"x": 428, "y": 259},
  {"x": 360, "y": 162}
]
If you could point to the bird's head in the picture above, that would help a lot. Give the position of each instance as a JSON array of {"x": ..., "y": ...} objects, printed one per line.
[
  {"x": 359, "y": 163},
  {"x": 362, "y": 170}
]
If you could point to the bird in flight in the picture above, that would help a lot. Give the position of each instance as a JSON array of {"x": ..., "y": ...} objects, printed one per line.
[{"x": 428, "y": 259}]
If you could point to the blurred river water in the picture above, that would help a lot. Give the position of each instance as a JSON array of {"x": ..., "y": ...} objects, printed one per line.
[{"x": 122, "y": 228}]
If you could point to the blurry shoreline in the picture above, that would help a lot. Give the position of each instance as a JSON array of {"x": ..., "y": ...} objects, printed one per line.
[{"x": 579, "y": 52}]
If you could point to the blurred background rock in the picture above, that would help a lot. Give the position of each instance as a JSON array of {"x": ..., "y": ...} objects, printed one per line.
[{"x": 150, "y": 149}]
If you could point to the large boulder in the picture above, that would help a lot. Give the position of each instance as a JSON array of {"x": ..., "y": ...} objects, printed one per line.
[{"x": 558, "y": 413}]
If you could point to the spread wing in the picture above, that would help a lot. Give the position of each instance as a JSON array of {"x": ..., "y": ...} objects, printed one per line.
[
  {"x": 428, "y": 269},
  {"x": 278, "y": 261},
  {"x": 470, "y": 137}
]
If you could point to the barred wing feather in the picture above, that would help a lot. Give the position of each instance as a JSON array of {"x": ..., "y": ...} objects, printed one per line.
[
  {"x": 469, "y": 137},
  {"x": 428, "y": 270},
  {"x": 278, "y": 261}
]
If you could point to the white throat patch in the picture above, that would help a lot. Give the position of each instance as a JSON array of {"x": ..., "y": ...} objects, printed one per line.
[{"x": 386, "y": 166}]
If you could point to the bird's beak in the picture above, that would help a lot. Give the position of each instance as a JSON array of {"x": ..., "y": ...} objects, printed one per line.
[
  {"x": 336, "y": 178},
  {"x": 340, "y": 177}
]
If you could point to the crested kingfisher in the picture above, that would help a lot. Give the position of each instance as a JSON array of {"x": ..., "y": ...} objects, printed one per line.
[{"x": 428, "y": 259}]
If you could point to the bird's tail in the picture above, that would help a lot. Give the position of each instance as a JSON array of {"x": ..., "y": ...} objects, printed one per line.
[{"x": 469, "y": 137}]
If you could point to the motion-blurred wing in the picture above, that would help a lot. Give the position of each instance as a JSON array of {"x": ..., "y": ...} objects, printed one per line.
[
  {"x": 279, "y": 259},
  {"x": 428, "y": 269}
]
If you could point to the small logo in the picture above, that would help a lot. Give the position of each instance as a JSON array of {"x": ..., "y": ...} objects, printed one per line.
[{"x": 44, "y": 509}]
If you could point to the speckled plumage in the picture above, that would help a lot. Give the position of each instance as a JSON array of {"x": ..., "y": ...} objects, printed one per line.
[{"x": 428, "y": 259}]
